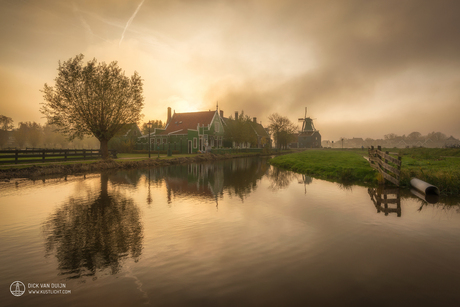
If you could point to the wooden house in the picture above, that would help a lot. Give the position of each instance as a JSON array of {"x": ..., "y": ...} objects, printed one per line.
[{"x": 189, "y": 132}]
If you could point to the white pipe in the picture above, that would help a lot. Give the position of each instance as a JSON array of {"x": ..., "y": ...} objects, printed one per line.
[{"x": 424, "y": 187}]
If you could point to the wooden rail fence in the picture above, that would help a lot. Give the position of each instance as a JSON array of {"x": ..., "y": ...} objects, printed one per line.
[
  {"x": 387, "y": 163},
  {"x": 50, "y": 155}
]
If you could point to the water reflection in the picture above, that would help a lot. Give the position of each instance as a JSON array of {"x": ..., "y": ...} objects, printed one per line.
[
  {"x": 237, "y": 177},
  {"x": 280, "y": 179},
  {"x": 94, "y": 233},
  {"x": 240, "y": 177},
  {"x": 386, "y": 200},
  {"x": 429, "y": 198}
]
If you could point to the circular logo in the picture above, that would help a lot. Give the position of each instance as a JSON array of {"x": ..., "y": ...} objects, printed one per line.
[{"x": 17, "y": 288}]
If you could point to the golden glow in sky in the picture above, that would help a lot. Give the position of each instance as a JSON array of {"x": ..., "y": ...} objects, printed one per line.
[{"x": 363, "y": 68}]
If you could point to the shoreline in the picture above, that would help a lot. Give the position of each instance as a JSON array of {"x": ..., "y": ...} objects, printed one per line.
[
  {"x": 36, "y": 170},
  {"x": 439, "y": 167}
]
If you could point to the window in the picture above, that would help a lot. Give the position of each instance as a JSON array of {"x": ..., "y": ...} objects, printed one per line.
[
  {"x": 216, "y": 126},
  {"x": 195, "y": 143}
]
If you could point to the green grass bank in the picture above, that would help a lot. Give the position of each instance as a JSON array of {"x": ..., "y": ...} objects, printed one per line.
[{"x": 438, "y": 166}]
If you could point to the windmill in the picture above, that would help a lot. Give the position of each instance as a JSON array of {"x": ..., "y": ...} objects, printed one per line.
[
  {"x": 308, "y": 137},
  {"x": 307, "y": 123}
]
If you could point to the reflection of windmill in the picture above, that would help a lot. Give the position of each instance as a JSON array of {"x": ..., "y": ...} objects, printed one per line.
[
  {"x": 305, "y": 180},
  {"x": 309, "y": 137}
]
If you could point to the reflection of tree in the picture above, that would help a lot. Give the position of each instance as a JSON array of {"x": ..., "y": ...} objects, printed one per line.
[
  {"x": 127, "y": 178},
  {"x": 280, "y": 179},
  {"x": 241, "y": 176},
  {"x": 94, "y": 233}
]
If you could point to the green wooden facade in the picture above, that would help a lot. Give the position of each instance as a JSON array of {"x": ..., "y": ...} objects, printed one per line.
[{"x": 189, "y": 133}]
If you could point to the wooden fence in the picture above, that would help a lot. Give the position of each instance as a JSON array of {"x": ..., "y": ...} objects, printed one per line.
[
  {"x": 50, "y": 155},
  {"x": 387, "y": 163}
]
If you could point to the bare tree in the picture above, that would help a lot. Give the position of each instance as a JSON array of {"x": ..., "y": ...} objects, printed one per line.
[
  {"x": 28, "y": 133},
  {"x": 390, "y": 136},
  {"x": 20, "y": 134},
  {"x": 93, "y": 99},
  {"x": 414, "y": 135},
  {"x": 6, "y": 123},
  {"x": 35, "y": 133},
  {"x": 282, "y": 128}
]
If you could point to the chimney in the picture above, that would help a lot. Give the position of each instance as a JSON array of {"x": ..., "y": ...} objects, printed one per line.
[
  {"x": 221, "y": 113},
  {"x": 169, "y": 114},
  {"x": 236, "y": 115},
  {"x": 254, "y": 119}
]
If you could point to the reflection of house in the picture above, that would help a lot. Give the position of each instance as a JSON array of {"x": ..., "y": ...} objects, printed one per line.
[
  {"x": 196, "y": 180},
  {"x": 189, "y": 132},
  {"x": 208, "y": 180}
]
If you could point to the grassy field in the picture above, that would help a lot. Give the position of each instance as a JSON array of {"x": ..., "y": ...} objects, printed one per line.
[{"x": 440, "y": 167}]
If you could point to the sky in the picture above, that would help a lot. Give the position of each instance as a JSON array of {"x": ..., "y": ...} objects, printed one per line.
[{"x": 363, "y": 68}]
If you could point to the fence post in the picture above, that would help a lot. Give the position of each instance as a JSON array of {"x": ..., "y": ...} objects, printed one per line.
[
  {"x": 84, "y": 154},
  {"x": 386, "y": 162},
  {"x": 16, "y": 156},
  {"x": 43, "y": 156}
]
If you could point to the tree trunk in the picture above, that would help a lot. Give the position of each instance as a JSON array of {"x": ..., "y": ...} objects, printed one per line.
[{"x": 104, "y": 148}]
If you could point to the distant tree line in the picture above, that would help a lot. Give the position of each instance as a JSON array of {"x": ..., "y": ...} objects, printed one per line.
[
  {"x": 154, "y": 124},
  {"x": 414, "y": 139},
  {"x": 417, "y": 136},
  {"x": 35, "y": 135}
]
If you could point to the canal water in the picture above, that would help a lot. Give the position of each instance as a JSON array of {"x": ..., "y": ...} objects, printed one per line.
[{"x": 233, "y": 233}]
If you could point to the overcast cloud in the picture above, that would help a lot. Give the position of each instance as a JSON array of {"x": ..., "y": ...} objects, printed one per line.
[{"x": 363, "y": 68}]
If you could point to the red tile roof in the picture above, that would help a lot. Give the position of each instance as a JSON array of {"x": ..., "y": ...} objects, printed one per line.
[{"x": 181, "y": 122}]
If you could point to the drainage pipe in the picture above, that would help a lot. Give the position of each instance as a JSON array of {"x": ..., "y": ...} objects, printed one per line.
[{"x": 424, "y": 187}]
